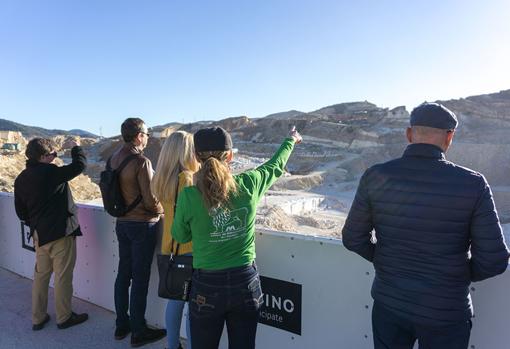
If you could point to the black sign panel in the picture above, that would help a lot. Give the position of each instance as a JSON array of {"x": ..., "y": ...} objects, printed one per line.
[
  {"x": 281, "y": 306},
  {"x": 27, "y": 242}
]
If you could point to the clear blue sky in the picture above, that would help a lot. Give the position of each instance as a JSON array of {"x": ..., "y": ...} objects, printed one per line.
[{"x": 90, "y": 64}]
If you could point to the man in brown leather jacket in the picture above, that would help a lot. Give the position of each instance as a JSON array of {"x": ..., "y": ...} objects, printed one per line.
[{"x": 136, "y": 234}]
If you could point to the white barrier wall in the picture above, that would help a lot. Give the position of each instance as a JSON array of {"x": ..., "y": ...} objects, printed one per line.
[{"x": 335, "y": 284}]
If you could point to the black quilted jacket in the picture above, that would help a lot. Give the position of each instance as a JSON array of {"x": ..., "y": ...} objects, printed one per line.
[{"x": 437, "y": 231}]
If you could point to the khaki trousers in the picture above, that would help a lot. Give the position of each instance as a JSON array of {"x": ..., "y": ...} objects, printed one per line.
[{"x": 59, "y": 257}]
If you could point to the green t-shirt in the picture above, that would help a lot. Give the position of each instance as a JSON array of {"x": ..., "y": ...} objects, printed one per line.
[{"x": 225, "y": 237}]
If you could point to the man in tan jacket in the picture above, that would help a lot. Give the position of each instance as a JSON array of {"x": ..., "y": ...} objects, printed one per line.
[{"x": 136, "y": 234}]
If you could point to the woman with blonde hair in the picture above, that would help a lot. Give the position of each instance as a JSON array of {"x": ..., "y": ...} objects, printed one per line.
[
  {"x": 175, "y": 169},
  {"x": 218, "y": 214}
]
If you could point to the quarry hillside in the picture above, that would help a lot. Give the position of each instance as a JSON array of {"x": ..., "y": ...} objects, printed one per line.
[{"x": 339, "y": 143}]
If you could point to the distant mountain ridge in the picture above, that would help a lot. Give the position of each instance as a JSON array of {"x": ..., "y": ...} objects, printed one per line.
[
  {"x": 495, "y": 106},
  {"x": 34, "y": 131}
]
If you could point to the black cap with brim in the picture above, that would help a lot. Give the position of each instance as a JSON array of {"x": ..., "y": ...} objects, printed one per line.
[
  {"x": 212, "y": 139},
  {"x": 433, "y": 115}
]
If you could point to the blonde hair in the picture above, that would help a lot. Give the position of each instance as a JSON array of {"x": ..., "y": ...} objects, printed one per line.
[
  {"x": 177, "y": 155},
  {"x": 214, "y": 179}
]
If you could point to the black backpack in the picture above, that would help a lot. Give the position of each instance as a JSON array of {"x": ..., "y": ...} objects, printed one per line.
[{"x": 109, "y": 185}]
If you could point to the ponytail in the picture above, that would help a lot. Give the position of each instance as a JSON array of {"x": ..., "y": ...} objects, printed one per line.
[{"x": 214, "y": 179}]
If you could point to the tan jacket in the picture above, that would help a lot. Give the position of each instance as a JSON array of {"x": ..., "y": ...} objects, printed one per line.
[{"x": 135, "y": 179}]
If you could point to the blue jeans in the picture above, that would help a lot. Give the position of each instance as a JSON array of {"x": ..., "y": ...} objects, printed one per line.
[
  {"x": 393, "y": 332},
  {"x": 173, "y": 318},
  {"x": 137, "y": 241},
  {"x": 232, "y": 296}
]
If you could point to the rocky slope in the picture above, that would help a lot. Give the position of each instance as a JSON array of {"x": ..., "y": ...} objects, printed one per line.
[{"x": 340, "y": 142}]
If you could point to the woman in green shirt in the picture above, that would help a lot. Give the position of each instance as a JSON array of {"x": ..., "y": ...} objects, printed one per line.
[{"x": 218, "y": 215}]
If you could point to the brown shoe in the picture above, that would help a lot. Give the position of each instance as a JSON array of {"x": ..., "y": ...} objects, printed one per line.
[
  {"x": 75, "y": 319},
  {"x": 147, "y": 336},
  {"x": 121, "y": 333},
  {"x": 40, "y": 326}
]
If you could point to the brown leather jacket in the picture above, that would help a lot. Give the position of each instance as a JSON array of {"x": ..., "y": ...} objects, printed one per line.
[{"x": 135, "y": 179}]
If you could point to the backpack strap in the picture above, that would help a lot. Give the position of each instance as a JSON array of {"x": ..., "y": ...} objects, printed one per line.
[
  {"x": 119, "y": 169},
  {"x": 123, "y": 163},
  {"x": 134, "y": 203},
  {"x": 109, "y": 163}
]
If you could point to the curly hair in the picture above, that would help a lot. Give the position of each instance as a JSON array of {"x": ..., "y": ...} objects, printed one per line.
[{"x": 38, "y": 147}]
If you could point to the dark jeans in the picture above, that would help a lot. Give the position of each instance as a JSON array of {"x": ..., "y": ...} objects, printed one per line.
[
  {"x": 137, "y": 241},
  {"x": 233, "y": 296},
  {"x": 393, "y": 332}
]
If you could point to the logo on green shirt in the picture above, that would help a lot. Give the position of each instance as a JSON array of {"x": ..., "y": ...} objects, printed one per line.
[{"x": 228, "y": 224}]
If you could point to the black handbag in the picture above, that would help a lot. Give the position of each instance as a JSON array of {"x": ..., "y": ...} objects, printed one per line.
[{"x": 175, "y": 274}]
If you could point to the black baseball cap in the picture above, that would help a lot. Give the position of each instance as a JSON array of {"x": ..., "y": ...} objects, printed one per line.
[
  {"x": 212, "y": 139},
  {"x": 433, "y": 115}
]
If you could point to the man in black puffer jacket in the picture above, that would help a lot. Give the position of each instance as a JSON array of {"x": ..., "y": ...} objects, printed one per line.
[
  {"x": 44, "y": 201},
  {"x": 436, "y": 231}
]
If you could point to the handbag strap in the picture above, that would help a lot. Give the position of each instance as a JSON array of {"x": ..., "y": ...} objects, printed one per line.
[
  {"x": 176, "y": 248},
  {"x": 175, "y": 208}
]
